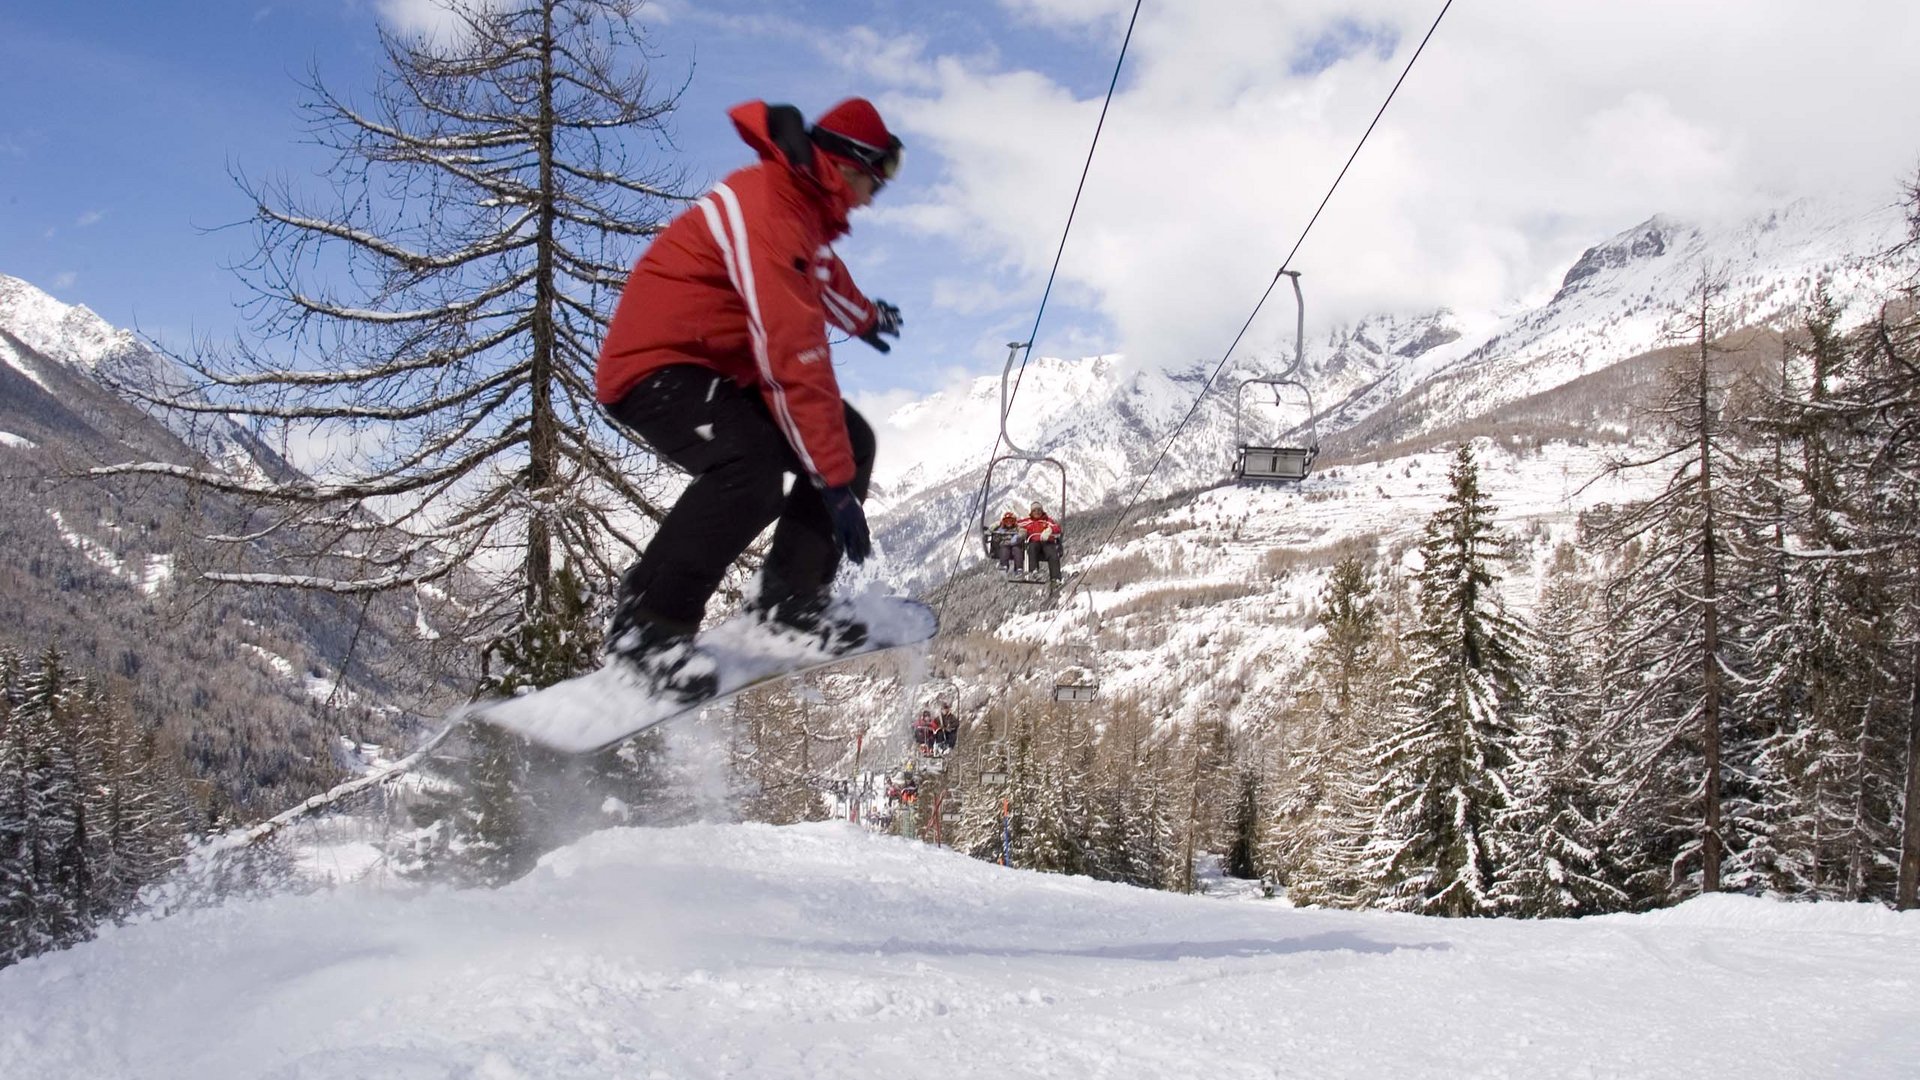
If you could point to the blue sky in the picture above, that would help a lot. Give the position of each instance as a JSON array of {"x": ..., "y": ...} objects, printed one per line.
[
  {"x": 116, "y": 180},
  {"x": 1528, "y": 132}
]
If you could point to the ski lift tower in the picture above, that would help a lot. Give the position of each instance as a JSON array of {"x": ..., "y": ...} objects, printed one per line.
[{"x": 1284, "y": 463}]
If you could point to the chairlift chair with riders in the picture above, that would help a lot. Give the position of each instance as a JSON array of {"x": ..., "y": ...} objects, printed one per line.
[
  {"x": 1283, "y": 463},
  {"x": 1015, "y": 454}
]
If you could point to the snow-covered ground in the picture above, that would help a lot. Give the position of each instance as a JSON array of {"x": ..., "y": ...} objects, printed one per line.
[{"x": 823, "y": 951}]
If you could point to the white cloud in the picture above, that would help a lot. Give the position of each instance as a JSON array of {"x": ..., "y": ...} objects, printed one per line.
[
  {"x": 430, "y": 19},
  {"x": 65, "y": 279},
  {"x": 91, "y": 217},
  {"x": 1526, "y": 132}
]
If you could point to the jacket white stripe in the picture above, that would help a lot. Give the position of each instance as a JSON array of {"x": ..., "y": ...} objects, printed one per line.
[
  {"x": 739, "y": 260},
  {"x": 844, "y": 311}
]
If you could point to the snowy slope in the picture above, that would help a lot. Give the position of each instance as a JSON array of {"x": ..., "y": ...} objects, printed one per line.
[
  {"x": 1208, "y": 604},
  {"x": 822, "y": 951}
]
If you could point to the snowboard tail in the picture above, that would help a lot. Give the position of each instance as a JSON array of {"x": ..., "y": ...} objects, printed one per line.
[{"x": 606, "y": 707}]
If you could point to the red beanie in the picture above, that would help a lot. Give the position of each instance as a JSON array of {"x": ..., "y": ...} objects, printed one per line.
[{"x": 858, "y": 120}]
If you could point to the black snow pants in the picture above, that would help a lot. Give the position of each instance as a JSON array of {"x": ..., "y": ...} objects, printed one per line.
[
  {"x": 1044, "y": 551},
  {"x": 724, "y": 435}
]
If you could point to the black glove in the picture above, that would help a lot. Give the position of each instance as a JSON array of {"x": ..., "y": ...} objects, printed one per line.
[
  {"x": 886, "y": 321},
  {"x": 849, "y": 522}
]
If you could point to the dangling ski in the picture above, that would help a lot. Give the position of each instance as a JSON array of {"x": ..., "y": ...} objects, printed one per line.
[{"x": 605, "y": 707}]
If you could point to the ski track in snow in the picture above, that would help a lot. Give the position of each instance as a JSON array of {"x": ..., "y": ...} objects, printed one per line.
[{"x": 820, "y": 950}]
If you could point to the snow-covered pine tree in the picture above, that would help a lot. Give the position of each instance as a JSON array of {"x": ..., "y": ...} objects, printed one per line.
[
  {"x": 143, "y": 815},
  {"x": 1241, "y": 858},
  {"x": 46, "y": 906},
  {"x": 1561, "y": 866},
  {"x": 1438, "y": 845},
  {"x": 1052, "y": 834},
  {"x": 1153, "y": 817},
  {"x": 1674, "y": 603},
  {"x": 1321, "y": 821},
  {"x": 18, "y": 813},
  {"x": 1878, "y": 397},
  {"x": 1820, "y": 621},
  {"x": 487, "y": 205},
  {"x": 1129, "y": 830}
]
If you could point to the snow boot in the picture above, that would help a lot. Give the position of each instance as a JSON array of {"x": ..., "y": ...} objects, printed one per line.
[
  {"x": 817, "y": 623},
  {"x": 663, "y": 655}
]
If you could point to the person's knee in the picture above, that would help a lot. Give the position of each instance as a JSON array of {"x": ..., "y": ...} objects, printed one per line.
[{"x": 860, "y": 436}]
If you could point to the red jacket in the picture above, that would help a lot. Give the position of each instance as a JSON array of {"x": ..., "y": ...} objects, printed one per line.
[
  {"x": 745, "y": 283},
  {"x": 1040, "y": 528}
]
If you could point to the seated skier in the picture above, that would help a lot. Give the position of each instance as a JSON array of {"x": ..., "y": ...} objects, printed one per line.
[
  {"x": 949, "y": 728},
  {"x": 925, "y": 730},
  {"x": 1003, "y": 543},
  {"x": 1043, "y": 538}
]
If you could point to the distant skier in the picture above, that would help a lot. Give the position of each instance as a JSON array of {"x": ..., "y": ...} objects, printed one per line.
[
  {"x": 1043, "y": 541},
  {"x": 718, "y": 359}
]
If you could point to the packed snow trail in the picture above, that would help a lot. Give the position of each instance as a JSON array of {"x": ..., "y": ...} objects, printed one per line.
[{"x": 817, "y": 951}]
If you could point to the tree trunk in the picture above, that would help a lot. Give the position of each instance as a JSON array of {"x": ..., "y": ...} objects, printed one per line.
[
  {"x": 1910, "y": 826},
  {"x": 1193, "y": 816},
  {"x": 1710, "y": 615},
  {"x": 543, "y": 441}
]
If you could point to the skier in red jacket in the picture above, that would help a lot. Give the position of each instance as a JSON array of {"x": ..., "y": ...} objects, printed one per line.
[
  {"x": 718, "y": 358},
  {"x": 1043, "y": 541}
]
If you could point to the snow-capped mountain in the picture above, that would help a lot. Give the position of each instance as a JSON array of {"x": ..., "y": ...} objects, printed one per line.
[
  {"x": 103, "y": 569},
  {"x": 1385, "y": 379},
  {"x": 36, "y": 328}
]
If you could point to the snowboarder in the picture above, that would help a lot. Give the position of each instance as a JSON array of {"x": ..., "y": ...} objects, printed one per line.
[
  {"x": 949, "y": 727},
  {"x": 1043, "y": 542},
  {"x": 1003, "y": 543},
  {"x": 925, "y": 730},
  {"x": 718, "y": 359}
]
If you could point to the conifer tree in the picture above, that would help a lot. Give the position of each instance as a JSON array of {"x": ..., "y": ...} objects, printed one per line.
[
  {"x": 1438, "y": 846},
  {"x": 1820, "y": 620},
  {"x": 1561, "y": 864},
  {"x": 47, "y": 905},
  {"x": 1153, "y": 820},
  {"x": 143, "y": 815},
  {"x": 1675, "y": 604},
  {"x": 1322, "y": 820},
  {"x": 19, "y": 884}
]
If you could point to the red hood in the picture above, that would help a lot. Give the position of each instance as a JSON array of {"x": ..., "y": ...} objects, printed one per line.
[{"x": 835, "y": 200}]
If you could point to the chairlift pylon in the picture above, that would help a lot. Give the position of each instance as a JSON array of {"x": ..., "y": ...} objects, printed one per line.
[{"x": 1253, "y": 463}]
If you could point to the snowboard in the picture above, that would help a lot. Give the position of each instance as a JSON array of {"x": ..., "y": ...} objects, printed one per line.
[{"x": 607, "y": 706}]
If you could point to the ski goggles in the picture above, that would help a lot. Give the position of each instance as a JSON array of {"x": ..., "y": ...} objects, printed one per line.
[{"x": 880, "y": 163}]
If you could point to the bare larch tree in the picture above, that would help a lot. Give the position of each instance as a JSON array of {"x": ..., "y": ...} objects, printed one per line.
[{"x": 434, "y": 317}]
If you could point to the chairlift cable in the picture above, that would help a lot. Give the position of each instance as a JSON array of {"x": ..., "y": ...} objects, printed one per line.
[
  {"x": 1033, "y": 334},
  {"x": 1207, "y": 387}
]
